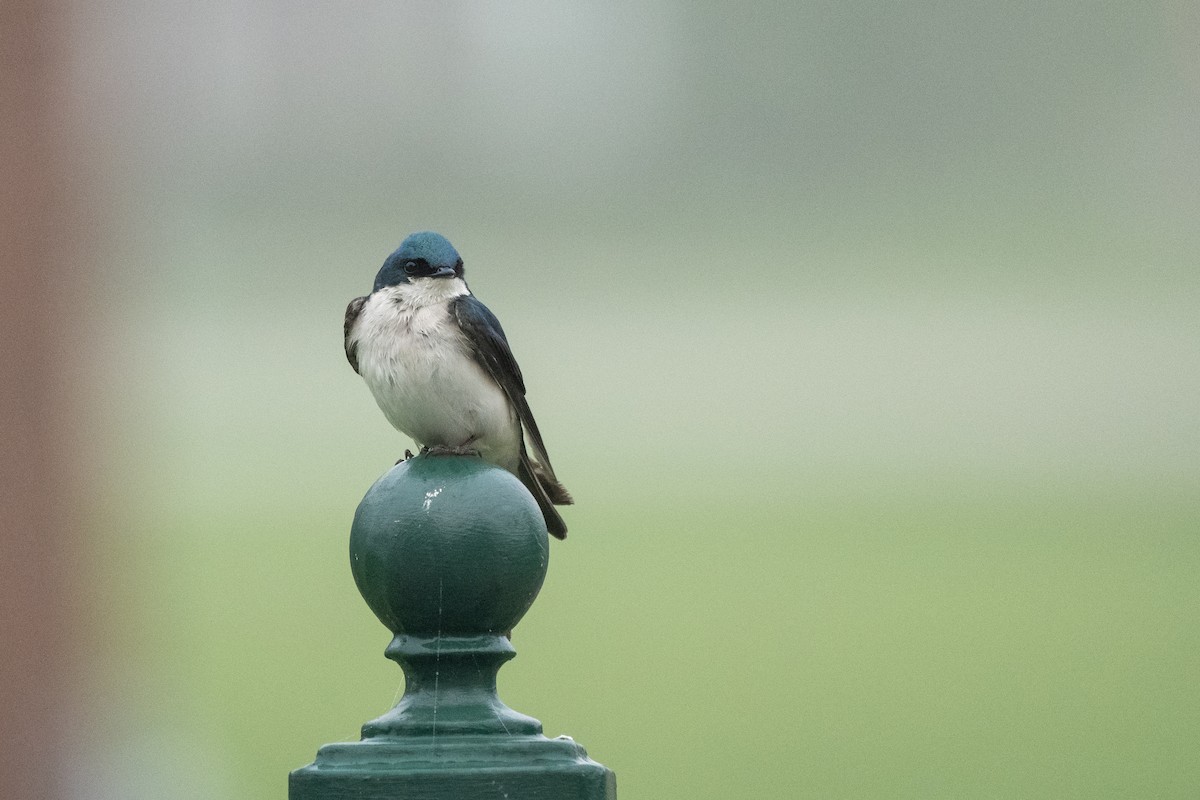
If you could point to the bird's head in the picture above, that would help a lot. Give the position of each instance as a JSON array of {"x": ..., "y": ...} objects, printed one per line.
[{"x": 422, "y": 255}]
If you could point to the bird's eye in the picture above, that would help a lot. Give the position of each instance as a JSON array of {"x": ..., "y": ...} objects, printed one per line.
[{"x": 411, "y": 267}]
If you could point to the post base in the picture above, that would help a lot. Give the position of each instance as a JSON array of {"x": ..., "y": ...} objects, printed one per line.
[{"x": 457, "y": 767}]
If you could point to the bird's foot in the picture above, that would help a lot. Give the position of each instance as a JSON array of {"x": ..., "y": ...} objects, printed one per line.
[
  {"x": 407, "y": 455},
  {"x": 447, "y": 450}
]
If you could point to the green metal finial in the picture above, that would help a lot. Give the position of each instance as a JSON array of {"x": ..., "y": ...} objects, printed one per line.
[{"x": 450, "y": 552}]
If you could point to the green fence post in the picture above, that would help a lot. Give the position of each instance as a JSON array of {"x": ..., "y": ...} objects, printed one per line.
[{"x": 450, "y": 552}]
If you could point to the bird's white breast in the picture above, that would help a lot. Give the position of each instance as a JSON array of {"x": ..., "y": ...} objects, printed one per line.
[{"x": 415, "y": 360}]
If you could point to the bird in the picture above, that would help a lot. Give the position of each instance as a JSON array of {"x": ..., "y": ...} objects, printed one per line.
[{"x": 440, "y": 367}]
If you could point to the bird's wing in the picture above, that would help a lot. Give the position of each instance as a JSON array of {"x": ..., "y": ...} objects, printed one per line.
[
  {"x": 352, "y": 311},
  {"x": 490, "y": 349}
]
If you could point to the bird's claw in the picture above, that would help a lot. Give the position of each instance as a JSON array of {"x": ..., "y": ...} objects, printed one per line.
[
  {"x": 407, "y": 455},
  {"x": 446, "y": 450}
]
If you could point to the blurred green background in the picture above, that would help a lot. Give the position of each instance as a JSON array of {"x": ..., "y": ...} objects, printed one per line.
[{"x": 865, "y": 334}]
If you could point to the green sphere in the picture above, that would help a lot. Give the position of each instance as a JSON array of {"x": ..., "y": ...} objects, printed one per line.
[{"x": 448, "y": 546}]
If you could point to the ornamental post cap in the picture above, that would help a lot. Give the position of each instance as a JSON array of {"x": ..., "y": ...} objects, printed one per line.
[
  {"x": 450, "y": 552},
  {"x": 448, "y": 546}
]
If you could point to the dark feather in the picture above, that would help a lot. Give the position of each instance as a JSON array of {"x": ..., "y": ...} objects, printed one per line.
[
  {"x": 527, "y": 472},
  {"x": 556, "y": 491},
  {"x": 490, "y": 348},
  {"x": 352, "y": 311}
]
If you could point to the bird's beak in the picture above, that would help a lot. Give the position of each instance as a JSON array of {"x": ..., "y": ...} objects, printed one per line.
[{"x": 443, "y": 272}]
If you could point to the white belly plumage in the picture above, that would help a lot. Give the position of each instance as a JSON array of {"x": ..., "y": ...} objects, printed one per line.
[{"x": 425, "y": 381}]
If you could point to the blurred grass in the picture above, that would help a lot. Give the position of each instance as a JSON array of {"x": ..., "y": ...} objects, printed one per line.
[{"x": 989, "y": 641}]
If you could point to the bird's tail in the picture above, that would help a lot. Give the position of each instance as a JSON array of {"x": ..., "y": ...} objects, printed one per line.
[
  {"x": 547, "y": 492},
  {"x": 557, "y": 493}
]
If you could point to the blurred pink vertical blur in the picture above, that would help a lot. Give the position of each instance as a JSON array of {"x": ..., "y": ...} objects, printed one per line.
[{"x": 39, "y": 533}]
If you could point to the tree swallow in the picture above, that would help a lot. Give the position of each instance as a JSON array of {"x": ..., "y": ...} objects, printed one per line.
[{"x": 440, "y": 368}]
